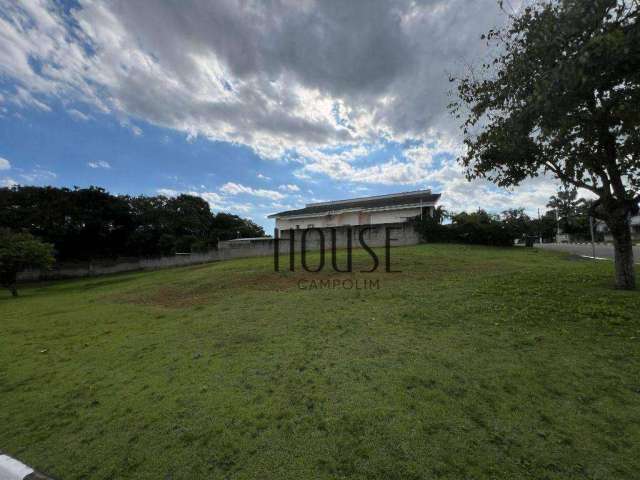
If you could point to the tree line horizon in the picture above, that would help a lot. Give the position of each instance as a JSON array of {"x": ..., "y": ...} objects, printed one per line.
[
  {"x": 42, "y": 225},
  {"x": 91, "y": 223}
]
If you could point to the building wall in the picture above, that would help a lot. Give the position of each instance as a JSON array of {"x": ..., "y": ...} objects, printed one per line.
[
  {"x": 345, "y": 219},
  {"x": 394, "y": 216},
  {"x": 286, "y": 223},
  {"x": 350, "y": 219}
]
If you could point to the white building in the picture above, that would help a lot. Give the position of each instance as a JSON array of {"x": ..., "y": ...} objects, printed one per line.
[{"x": 378, "y": 210}]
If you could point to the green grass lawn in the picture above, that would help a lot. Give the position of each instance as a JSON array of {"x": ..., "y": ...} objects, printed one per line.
[{"x": 471, "y": 363}]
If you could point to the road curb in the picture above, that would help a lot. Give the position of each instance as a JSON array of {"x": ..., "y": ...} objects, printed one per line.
[{"x": 12, "y": 469}]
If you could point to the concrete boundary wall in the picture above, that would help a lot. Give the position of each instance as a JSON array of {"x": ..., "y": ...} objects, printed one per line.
[
  {"x": 374, "y": 236},
  {"x": 105, "y": 267}
]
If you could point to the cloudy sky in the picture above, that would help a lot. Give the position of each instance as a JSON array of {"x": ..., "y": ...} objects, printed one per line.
[{"x": 257, "y": 106}]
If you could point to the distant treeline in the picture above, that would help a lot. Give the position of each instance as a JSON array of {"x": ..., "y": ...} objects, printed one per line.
[
  {"x": 85, "y": 223},
  {"x": 484, "y": 228}
]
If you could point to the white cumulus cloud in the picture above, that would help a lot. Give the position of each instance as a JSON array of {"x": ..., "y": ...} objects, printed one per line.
[
  {"x": 99, "y": 164},
  {"x": 78, "y": 115},
  {"x": 7, "y": 182},
  {"x": 289, "y": 187},
  {"x": 279, "y": 77},
  {"x": 309, "y": 82},
  {"x": 232, "y": 188}
]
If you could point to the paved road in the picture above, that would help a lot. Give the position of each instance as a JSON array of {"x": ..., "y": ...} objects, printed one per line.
[{"x": 603, "y": 250}]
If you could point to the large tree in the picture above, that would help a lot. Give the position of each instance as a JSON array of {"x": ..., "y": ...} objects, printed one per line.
[
  {"x": 561, "y": 95},
  {"x": 572, "y": 213},
  {"x": 565, "y": 204}
]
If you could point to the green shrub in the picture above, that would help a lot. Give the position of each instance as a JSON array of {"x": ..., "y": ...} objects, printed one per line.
[
  {"x": 479, "y": 228},
  {"x": 19, "y": 251}
]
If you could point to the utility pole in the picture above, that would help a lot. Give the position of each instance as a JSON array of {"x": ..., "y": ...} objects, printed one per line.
[
  {"x": 593, "y": 245},
  {"x": 539, "y": 227},
  {"x": 557, "y": 225}
]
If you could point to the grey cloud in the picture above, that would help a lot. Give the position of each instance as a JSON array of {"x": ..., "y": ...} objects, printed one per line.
[
  {"x": 270, "y": 75},
  {"x": 341, "y": 47}
]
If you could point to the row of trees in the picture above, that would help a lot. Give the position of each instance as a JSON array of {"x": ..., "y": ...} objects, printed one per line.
[
  {"x": 566, "y": 213},
  {"x": 481, "y": 228},
  {"x": 89, "y": 223}
]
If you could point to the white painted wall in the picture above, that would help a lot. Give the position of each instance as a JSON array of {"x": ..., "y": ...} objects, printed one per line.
[
  {"x": 351, "y": 218},
  {"x": 286, "y": 223},
  {"x": 394, "y": 216}
]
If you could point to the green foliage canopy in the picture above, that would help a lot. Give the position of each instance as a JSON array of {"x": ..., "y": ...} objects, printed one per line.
[
  {"x": 85, "y": 223},
  {"x": 19, "y": 251},
  {"x": 561, "y": 95}
]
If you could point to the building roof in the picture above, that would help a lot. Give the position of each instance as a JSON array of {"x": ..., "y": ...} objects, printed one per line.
[{"x": 364, "y": 203}]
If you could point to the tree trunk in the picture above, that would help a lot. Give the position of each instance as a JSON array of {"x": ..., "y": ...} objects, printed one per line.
[
  {"x": 9, "y": 280},
  {"x": 623, "y": 247}
]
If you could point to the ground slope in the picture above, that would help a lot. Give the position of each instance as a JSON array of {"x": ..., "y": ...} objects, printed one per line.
[{"x": 471, "y": 363}]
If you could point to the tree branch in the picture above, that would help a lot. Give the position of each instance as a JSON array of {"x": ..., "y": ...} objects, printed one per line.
[
  {"x": 565, "y": 178},
  {"x": 592, "y": 208}
]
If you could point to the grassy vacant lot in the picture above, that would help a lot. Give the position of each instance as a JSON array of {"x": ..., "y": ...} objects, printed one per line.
[{"x": 472, "y": 363}]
